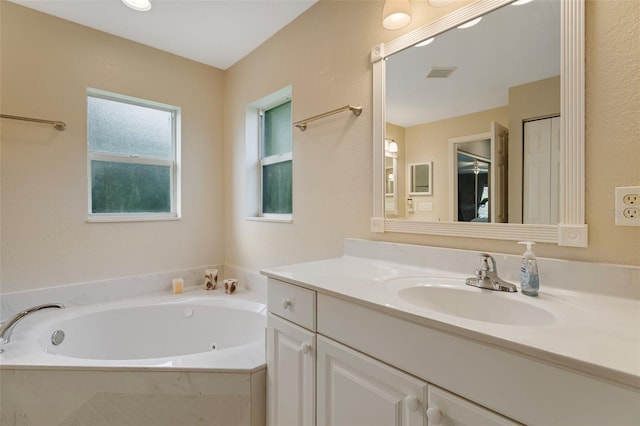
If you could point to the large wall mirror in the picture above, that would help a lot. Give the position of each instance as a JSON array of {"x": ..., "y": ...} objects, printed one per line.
[{"x": 497, "y": 110}]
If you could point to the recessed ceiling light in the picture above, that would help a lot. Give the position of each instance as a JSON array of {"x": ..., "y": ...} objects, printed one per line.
[
  {"x": 139, "y": 5},
  {"x": 470, "y": 23},
  {"x": 520, "y": 2},
  {"x": 424, "y": 43}
]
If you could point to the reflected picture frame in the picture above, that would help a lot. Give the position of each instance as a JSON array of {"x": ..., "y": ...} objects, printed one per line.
[{"x": 420, "y": 178}]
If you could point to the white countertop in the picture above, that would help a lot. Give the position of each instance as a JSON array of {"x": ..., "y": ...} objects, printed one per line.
[{"x": 594, "y": 333}]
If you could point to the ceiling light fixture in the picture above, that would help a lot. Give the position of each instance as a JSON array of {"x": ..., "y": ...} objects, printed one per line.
[
  {"x": 424, "y": 43},
  {"x": 470, "y": 23},
  {"x": 521, "y": 2},
  {"x": 139, "y": 5},
  {"x": 390, "y": 146},
  {"x": 396, "y": 14}
]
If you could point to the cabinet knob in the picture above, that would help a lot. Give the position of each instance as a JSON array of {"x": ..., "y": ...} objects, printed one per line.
[
  {"x": 413, "y": 403},
  {"x": 434, "y": 415},
  {"x": 305, "y": 348},
  {"x": 286, "y": 303}
]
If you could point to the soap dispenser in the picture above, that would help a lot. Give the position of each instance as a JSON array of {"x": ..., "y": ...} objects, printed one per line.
[{"x": 529, "y": 281}]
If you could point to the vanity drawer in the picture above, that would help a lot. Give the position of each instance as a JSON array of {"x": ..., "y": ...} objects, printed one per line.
[{"x": 293, "y": 303}]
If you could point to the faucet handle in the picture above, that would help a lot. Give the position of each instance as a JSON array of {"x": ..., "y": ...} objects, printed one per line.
[{"x": 488, "y": 263}]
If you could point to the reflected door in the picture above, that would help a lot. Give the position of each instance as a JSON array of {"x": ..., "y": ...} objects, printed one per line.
[{"x": 541, "y": 171}]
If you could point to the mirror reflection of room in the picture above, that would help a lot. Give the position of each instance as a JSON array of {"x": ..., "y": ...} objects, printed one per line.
[
  {"x": 499, "y": 77},
  {"x": 391, "y": 177}
]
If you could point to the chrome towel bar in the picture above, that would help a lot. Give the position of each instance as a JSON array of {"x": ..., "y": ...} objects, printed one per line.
[
  {"x": 59, "y": 125},
  {"x": 302, "y": 124}
]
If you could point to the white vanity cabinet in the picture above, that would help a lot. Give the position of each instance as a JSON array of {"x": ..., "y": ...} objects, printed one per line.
[
  {"x": 353, "y": 389},
  {"x": 357, "y": 390},
  {"x": 376, "y": 365},
  {"x": 291, "y": 361}
]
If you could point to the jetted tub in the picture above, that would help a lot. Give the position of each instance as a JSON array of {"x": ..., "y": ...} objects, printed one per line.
[
  {"x": 194, "y": 358},
  {"x": 195, "y": 331}
]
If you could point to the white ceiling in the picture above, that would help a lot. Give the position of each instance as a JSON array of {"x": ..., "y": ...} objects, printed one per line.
[
  {"x": 510, "y": 46},
  {"x": 213, "y": 32}
]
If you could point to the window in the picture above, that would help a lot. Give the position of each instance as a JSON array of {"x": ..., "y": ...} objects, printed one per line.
[
  {"x": 133, "y": 153},
  {"x": 269, "y": 176},
  {"x": 276, "y": 159}
]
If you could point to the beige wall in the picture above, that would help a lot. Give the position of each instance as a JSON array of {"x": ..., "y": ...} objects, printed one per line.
[
  {"x": 324, "y": 54},
  {"x": 47, "y": 65}
]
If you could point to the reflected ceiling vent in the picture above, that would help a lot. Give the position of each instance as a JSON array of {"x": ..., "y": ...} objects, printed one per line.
[{"x": 440, "y": 72}]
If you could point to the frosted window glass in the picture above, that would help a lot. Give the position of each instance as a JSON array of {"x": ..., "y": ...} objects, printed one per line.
[
  {"x": 277, "y": 130},
  {"x": 130, "y": 188},
  {"x": 276, "y": 188},
  {"x": 122, "y": 128}
]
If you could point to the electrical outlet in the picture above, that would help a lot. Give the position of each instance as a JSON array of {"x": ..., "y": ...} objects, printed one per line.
[
  {"x": 631, "y": 212},
  {"x": 631, "y": 199},
  {"x": 627, "y": 206}
]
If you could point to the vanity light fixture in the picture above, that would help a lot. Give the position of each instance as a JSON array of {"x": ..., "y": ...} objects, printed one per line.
[
  {"x": 396, "y": 14},
  {"x": 470, "y": 23},
  {"x": 441, "y": 3},
  {"x": 390, "y": 146},
  {"x": 425, "y": 43},
  {"x": 138, "y": 5}
]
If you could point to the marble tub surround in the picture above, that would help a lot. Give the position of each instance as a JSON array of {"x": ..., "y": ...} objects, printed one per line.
[
  {"x": 218, "y": 388},
  {"x": 74, "y": 397},
  {"x": 102, "y": 290},
  {"x": 596, "y": 307}
]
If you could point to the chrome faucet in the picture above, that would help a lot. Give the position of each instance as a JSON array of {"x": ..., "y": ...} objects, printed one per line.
[
  {"x": 7, "y": 326},
  {"x": 487, "y": 276}
]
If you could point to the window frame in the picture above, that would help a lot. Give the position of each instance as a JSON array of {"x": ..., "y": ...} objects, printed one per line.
[
  {"x": 273, "y": 159},
  {"x": 174, "y": 164}
]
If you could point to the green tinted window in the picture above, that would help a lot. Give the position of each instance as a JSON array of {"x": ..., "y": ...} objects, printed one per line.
[
  {"x": 277, "y": 130},
  {"x": 276, "y": 188},
  {"x": 130, "y": 188},
  {"x": 132, "y": 146},
  {"x": 277, "y": 160}
]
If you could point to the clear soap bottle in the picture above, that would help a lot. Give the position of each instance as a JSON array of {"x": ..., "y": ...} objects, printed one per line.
[{"x": 529, "y": 280}]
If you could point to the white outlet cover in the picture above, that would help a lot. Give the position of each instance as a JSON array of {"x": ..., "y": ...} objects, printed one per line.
[
  {"x": 425, "y": 207},
  {"x": 620, "y": 206}
]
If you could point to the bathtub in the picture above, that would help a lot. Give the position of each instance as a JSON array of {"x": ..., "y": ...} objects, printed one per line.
[
  {"x": 193, "y": 331},
  {"x": 194, "y": 358}
]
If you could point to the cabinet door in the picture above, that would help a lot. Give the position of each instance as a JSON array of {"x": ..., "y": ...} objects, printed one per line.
[
  {"x": 290, "y": 374},
  {"x": 355, "y": 390},
  {"x": 447, "y": 409}
]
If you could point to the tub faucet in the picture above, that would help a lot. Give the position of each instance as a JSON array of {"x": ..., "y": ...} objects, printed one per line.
[
  {"x": 5, "y": 330},
  {"x": 487, "y": 276}
]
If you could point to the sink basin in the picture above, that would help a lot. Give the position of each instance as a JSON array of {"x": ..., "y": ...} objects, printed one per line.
[{"x": 476, "y": 304}]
